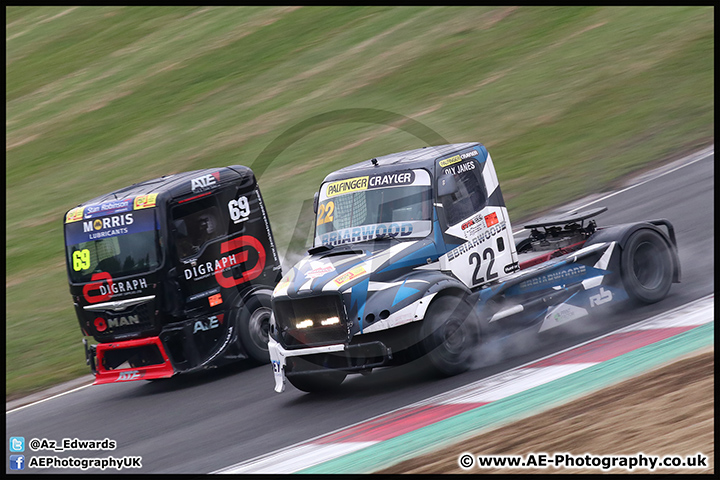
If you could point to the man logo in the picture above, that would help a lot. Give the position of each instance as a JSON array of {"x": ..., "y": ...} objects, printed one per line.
[
  {"x": 123, "y": 321},
  {"x": 97, "y": 224}
]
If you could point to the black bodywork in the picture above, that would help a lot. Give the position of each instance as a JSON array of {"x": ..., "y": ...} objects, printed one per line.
[{"x": 161, "y": 272}]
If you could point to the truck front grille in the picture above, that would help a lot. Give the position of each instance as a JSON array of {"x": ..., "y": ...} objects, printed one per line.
[
  {"x": 138, "y": 320},
  {"x": 311, "y": 321}
]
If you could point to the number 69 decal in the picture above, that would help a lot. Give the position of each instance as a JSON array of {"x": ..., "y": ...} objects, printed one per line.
[
  {"x": 239, "y": 209},
  {"x": 81, "y": 259}
]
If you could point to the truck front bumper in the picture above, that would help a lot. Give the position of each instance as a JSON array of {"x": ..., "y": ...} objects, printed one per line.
[
  {"x": 278, "y": 355},
  {"x": 160, "y": 368},
  {"x": 349, "y": 358}
]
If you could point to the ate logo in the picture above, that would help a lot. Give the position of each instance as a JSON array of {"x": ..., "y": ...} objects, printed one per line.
[
  {"x": 205, "y": 182},
  {"x": 130, "y": 375}
]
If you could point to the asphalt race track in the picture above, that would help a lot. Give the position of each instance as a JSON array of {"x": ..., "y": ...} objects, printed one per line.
[{"x": 204, "y": 422}]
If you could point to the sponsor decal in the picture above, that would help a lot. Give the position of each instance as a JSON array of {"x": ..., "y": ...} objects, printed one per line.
[
  {"x": 269, "y": 237},
  {"x": 204, "y": 270},
  {"x": 604, "y": 296},
  {"x": 284, "y": 283},
  {"x": 97, "y": 281},
  {"x": 350, "y": 275},
  {"x": 474, "y": 242},
  {"x": 108, "y": 208},
  {"x": 391, "y": 179},
  {"x": 562, "y": 314},
  {"x": 204, "y": 294},
  {"x": 560, "y": 275},
  {"x": 491, "y": 219},
  {"x": 110, "y": 226},
  {"x": 123, "y": 321},
  {"x": 103, "y": 284},
  {"x": 457, "y": 158},
  {"x": 126, "y": 287},
  {"x": 513, "y": 267},
  {"x": 130, "y": 375},
  {"x": 145, "y": 201},
  {"x": 370, "y": 181},
  {"x": 320, "y": 271},
  {"x": 367, "y": 232},
  {"x": 205, "y": 325},
  {"x": 74, "y": 215},
  {"x": 347, "y": 186},
  {"x": 462, "y": 168},
  {"x": 475, "y": 230},
  {"x": 100, "y": 324},
  {"x": 244, "y": 241},
  {"x": 215, "y": 299},
  {"x": 473, "y": 227},
  {"x": 205, "y": 182}
]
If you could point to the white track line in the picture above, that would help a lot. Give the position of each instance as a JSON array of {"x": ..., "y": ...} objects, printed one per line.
[
  {"x": 49, "y": 398},
  {"x": 703, "y": 155}
]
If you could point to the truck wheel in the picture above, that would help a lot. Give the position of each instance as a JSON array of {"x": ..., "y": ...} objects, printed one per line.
[
  {"x": 646, "y": 267},
  {"x": 253, "y": 326},
  {"x": 317, "y": 382},
  {"x": 450, "y": 333}
]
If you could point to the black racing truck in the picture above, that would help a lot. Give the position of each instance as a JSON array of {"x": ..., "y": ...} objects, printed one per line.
[
  {"x": 173, "y": 274},
  {"x": 414, "y": 259}
]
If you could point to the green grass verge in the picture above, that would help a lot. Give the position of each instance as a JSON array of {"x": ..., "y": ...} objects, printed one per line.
[{"x": 567, "y": 100}]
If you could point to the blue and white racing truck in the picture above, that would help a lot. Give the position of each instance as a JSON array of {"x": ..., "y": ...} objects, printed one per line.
[{"x": 414, "y": 258}]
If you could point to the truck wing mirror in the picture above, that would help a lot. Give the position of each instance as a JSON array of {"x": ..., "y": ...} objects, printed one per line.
[
  {"x": 315, "y": 202},
  {"x": 447, "y": 185}
]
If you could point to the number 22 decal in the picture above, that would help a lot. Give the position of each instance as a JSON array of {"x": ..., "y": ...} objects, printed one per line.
[
  {"x": 476, "y": 257},
  {"x": 326, "y": 210}
]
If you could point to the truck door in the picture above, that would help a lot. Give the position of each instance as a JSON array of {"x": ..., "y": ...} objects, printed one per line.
[{"x": 474, "y": 219}]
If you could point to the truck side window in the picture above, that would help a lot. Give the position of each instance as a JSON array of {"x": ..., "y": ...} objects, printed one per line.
[
  {"x": 195, "y": 224},
  {"x": 470, "y": 197}
]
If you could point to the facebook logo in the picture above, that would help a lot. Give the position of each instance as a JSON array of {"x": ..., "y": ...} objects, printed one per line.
[
  {"x": 17, "y": 444},
  {"x": 17, "y": 462}
]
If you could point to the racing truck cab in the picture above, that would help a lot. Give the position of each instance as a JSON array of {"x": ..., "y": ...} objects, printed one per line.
[
  {"x": 414, "y": 258},
  {"x": 172, "y": 274}
]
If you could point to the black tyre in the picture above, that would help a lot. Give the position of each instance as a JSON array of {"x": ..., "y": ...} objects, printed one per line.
[
  {"x": 450, "y": 335},
  {"x": 646, "y": 266},
  {"x": 253, "y": 324},
  {"x": 317, "y": 382}
]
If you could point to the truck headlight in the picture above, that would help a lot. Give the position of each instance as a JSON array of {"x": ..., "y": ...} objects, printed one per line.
[
  {"x": 304, "y": 324},
  {"x": 330, "y": 321}
]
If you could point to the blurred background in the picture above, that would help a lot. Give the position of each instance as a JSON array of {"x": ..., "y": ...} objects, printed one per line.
[{"x": 567, "y": 100}]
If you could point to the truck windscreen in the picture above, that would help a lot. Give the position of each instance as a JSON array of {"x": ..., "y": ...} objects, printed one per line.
[
  {"x": 359, "y": 209},
  {"x": 120, "y": 245}
]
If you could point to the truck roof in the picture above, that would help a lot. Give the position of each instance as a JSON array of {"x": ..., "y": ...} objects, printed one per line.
[
  {"x": 424, "y": 157},
  {"x": 174, "y": 185}
]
